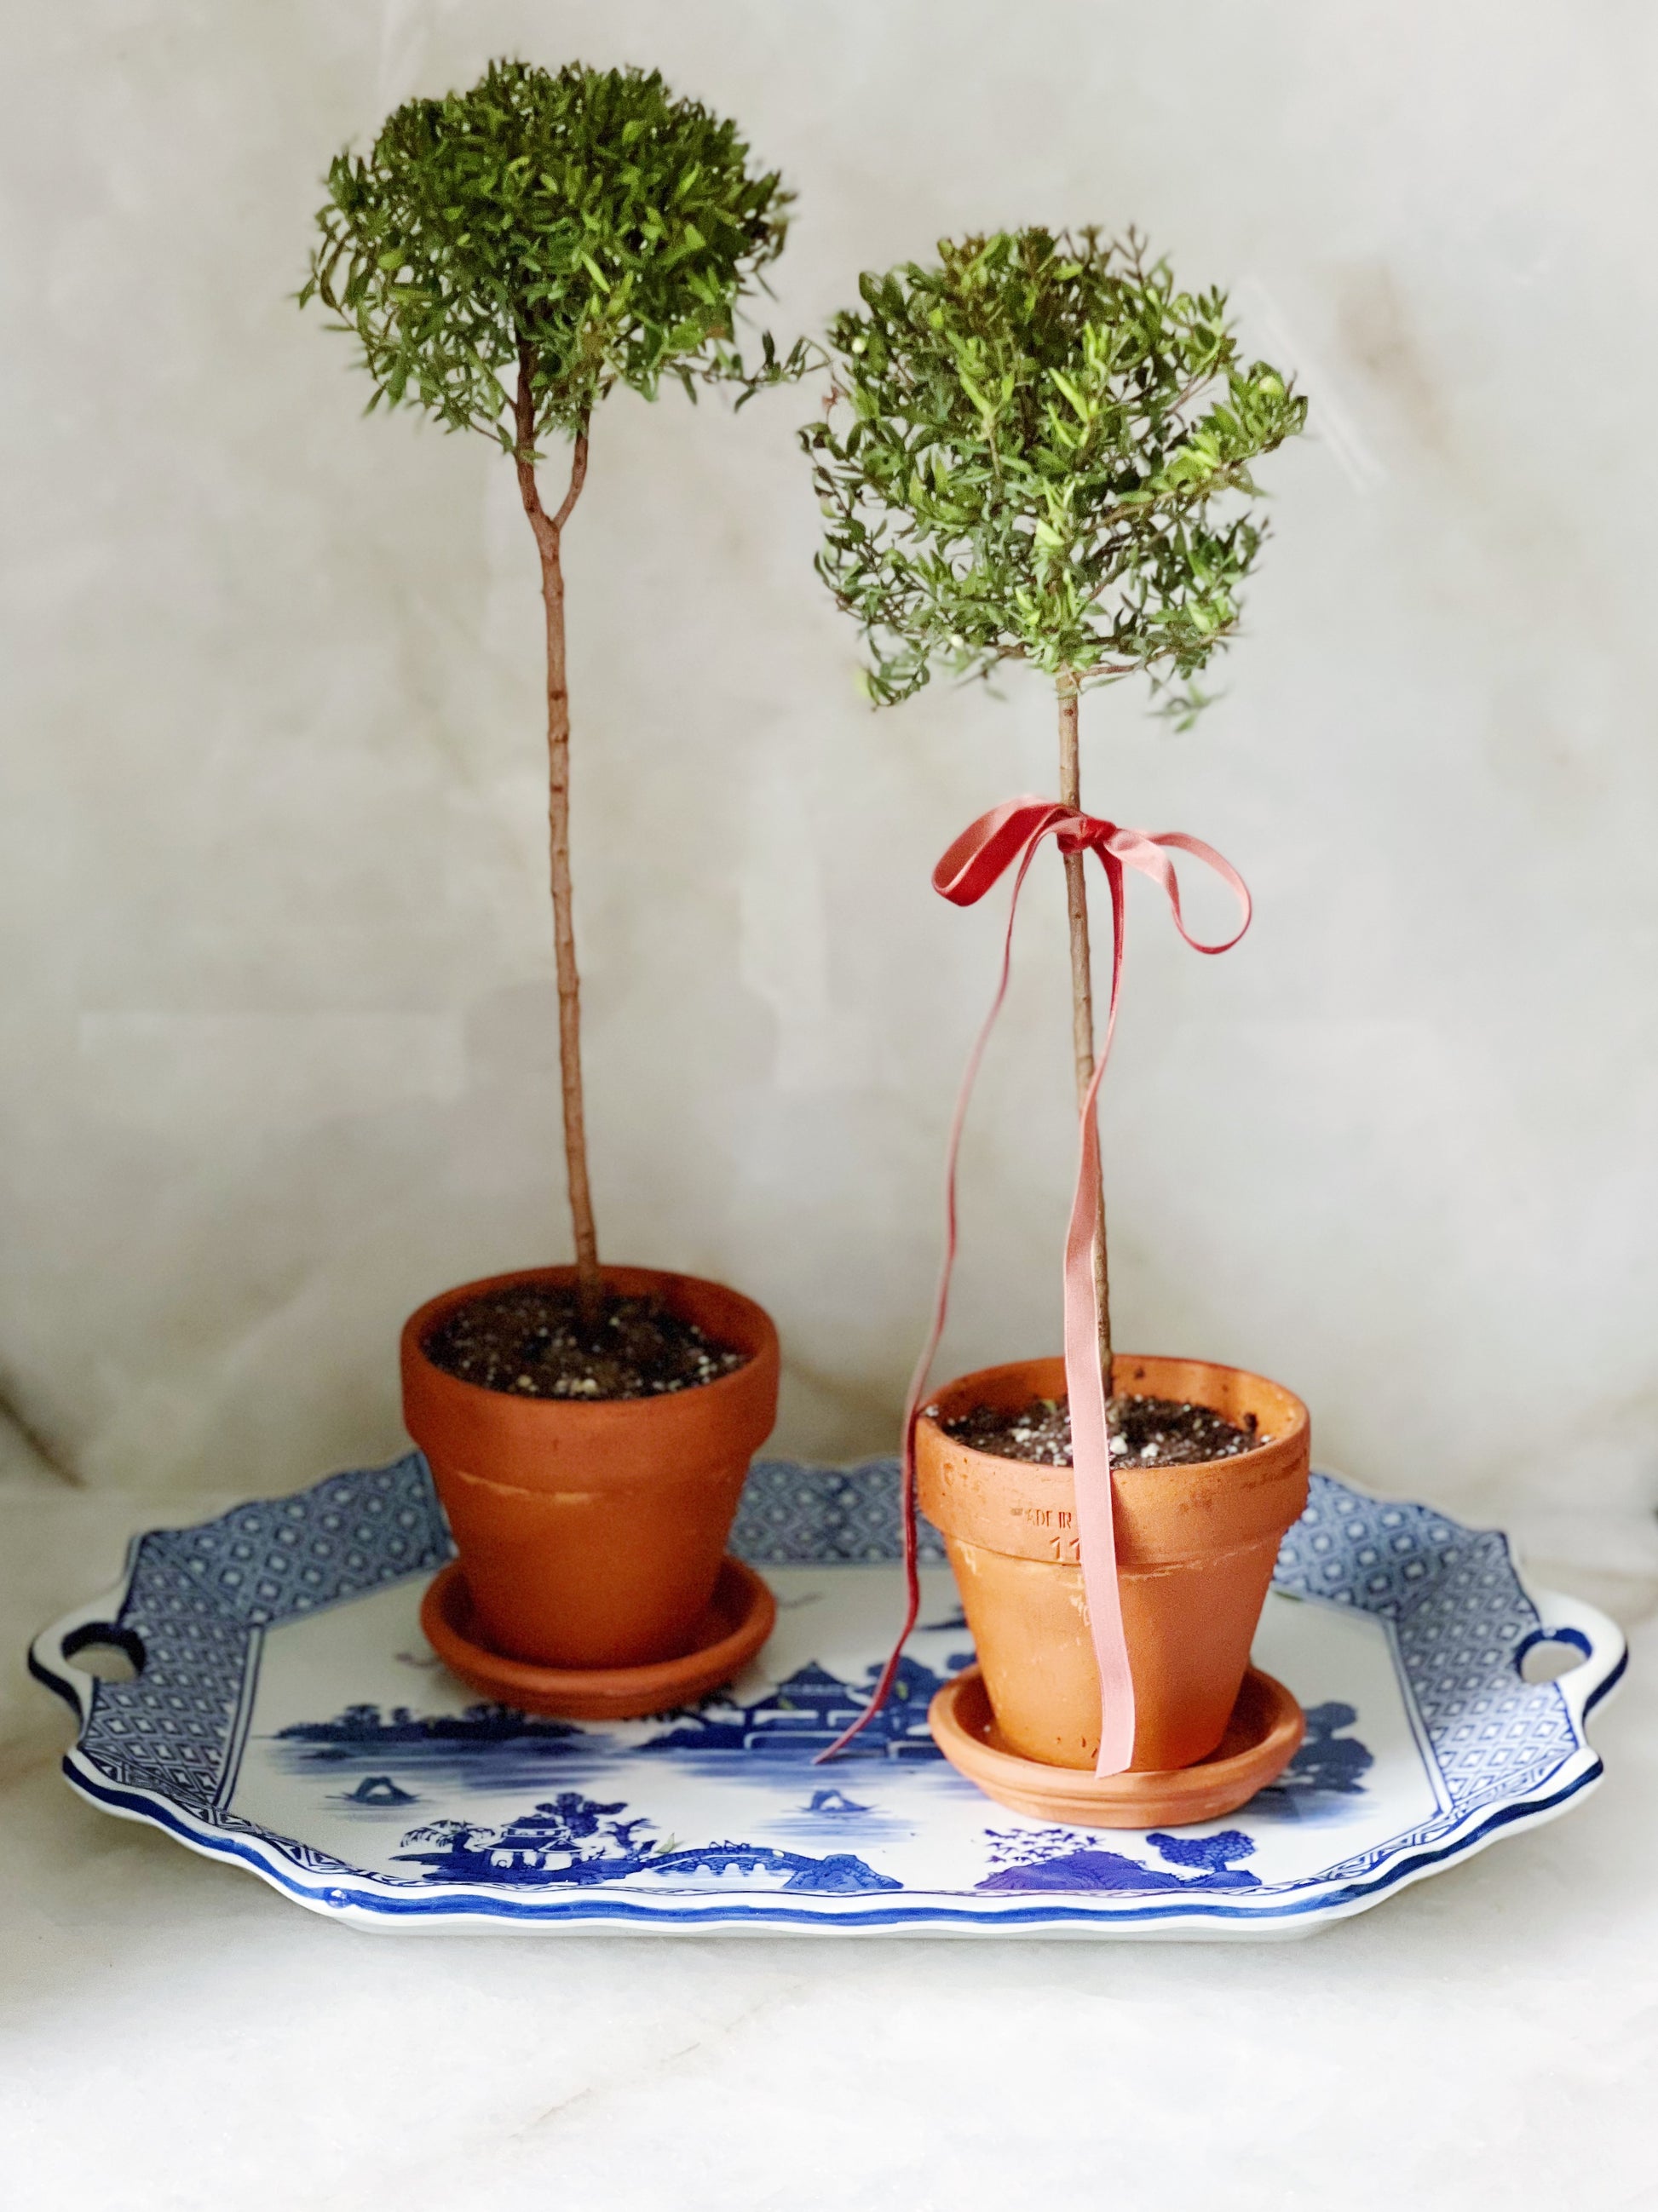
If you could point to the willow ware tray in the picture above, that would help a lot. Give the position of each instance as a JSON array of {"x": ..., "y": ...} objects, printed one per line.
[{"x": 287, "y": 1715}]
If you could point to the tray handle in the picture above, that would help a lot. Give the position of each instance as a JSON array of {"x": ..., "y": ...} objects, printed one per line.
[
  {"x": 1588, "y": 1648},
  {"x": 96, "y": 1626}
]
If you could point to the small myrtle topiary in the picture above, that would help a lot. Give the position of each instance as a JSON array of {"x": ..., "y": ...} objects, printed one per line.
[
  {"x": 505, "y": 258},
  {"x": 1040, "y": 449}
]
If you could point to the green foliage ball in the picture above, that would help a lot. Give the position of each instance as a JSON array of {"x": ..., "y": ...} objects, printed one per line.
[
  {"x": 1038, "y": 448},
  {"x": 586, "y": 227}
]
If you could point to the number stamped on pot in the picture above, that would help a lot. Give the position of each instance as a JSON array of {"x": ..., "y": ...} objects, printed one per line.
[{"x": 1059, "y": 1528}]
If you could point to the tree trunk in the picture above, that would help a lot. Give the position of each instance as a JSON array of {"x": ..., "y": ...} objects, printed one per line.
[
  {"x": 549, "y": 534},
  {"x": 1082, "y": 989}
]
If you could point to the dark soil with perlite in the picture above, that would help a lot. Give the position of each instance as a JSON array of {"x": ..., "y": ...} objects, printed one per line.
[
  {"x": 533, "y": 1343},
  {"x": 1144, "y": 1432}
]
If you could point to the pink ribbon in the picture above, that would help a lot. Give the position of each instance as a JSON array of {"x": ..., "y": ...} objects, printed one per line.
[{"x": 1008, "y": 837}]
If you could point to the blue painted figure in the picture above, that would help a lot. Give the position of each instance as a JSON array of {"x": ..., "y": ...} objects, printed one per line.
[
  {"x": 570, "y": 1840},
  {"x": 834, "y": 1805},
  {"x": 1328, "y": 1768},
  {"x": 1325, "y": 1763},
  {"x": 376, "y": 1789},
  {"x": 1066, "y": 1859},
  {"x": 365, "y": 1727}
]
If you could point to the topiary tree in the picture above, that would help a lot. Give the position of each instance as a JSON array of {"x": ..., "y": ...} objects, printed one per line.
[
  {"x": 506, "y": 257},
  {"x": 1039, "y": 449}
]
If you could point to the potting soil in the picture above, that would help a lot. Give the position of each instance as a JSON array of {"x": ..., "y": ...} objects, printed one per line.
[
  {"x": 533, "y": 1343},
  {"x": 1144, "y": 1431}
]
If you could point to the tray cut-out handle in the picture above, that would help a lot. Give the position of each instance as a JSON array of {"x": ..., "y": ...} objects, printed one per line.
[
  {"x": 58, "y": 1656},
  {"x": 1574, "y": 1648}
]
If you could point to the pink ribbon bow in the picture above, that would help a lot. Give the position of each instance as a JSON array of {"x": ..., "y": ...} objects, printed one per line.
[{"x": 1008, "y": 837}]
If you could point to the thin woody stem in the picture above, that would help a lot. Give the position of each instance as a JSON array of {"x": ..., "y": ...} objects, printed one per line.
[
  {"x": 1081, "y": 987},
  {"x": 549, "y": 532}
]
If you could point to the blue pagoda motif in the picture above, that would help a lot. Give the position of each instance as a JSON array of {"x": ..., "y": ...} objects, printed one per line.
[{"x": 806, "y": 1714}]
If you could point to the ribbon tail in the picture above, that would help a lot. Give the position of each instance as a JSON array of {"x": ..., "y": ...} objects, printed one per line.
[
  {"x": 923, "y": 1367},
  {"x": 1085, "y": 1387}
]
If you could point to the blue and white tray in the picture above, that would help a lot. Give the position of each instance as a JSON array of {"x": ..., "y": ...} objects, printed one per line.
[{"x": 288, "y": 1716}]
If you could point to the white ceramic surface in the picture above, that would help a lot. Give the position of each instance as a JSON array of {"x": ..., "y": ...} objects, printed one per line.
[{"x": 289, "y": 1717}]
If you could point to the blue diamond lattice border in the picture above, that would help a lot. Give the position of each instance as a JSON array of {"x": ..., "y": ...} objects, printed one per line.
[{"x": 167, "y": 1743}]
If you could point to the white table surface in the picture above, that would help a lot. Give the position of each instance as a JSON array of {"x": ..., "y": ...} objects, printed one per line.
[{"x": 174, "y": 2034}]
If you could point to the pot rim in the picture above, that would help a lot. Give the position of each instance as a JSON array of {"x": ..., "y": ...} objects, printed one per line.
[
  {"x": 424, "y": 1317},
  {"x": 1299, "y": 1427}
]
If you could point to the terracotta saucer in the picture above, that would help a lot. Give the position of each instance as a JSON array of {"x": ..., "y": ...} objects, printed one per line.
[
  {"x": 1262, "y": 1737},
  {"x": 738, "y": 1621}
]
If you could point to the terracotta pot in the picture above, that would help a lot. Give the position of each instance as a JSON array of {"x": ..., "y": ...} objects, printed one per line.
[
  {"x": 591, "y": 1531},
  {"x": 1195, "y": 1548}
]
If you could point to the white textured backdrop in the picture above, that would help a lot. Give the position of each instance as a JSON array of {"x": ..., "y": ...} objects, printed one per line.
[{"x": 277, "y": 1020}]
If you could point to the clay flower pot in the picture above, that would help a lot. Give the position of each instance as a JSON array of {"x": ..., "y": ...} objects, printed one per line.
[
  {"x": 1195, "y": 1549},
  {"x": 591, "y": 1531}
]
